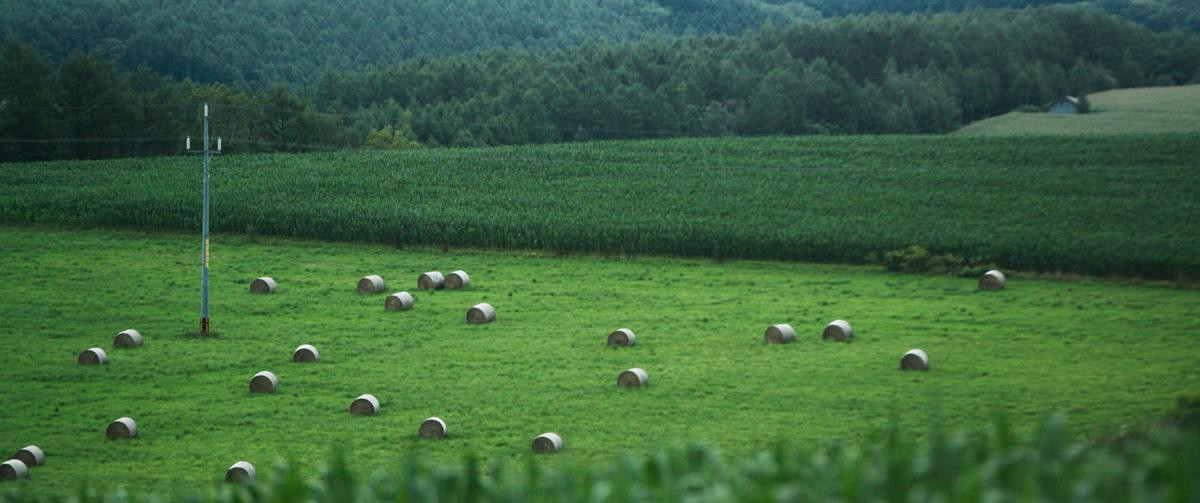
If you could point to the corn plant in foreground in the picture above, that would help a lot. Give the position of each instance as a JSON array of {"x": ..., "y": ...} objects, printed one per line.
[{"x": 1159, "y": 465}]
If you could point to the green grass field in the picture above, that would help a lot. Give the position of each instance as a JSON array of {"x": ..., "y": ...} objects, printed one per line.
[
  {"x": 1124, "y": 205},
  {"x": 1119, "y": 111},
  {"x": 1106, "y": 353}
]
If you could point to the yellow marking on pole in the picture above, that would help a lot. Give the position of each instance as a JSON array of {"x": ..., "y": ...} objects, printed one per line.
[{"x": 205, "y": 253}]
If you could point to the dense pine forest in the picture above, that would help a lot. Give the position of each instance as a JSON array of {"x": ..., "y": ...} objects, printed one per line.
[
  {"x": 893, "y": 73},
  {"x": 261, "y": 43}
]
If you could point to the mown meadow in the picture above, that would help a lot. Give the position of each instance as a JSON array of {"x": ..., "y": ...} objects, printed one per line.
[
  {"x": 1111, "y": 355},
  {"x": 1118, "y": 111},
  {"x": 1123, "y": 205}
]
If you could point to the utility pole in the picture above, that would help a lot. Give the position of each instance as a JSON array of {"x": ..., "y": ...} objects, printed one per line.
[{"x": 206, "y": 154}]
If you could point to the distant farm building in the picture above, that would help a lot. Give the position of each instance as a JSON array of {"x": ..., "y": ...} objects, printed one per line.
[{"x": 1066, "y": 105}]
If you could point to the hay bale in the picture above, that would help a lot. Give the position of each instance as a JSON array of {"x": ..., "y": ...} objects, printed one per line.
[
  {"x": 122, "y": 428},
  {"x": 264, "y": 382},
  {"x": 547, "y": 443},
  {"x": 93, "y": 356},
  {"x": 306, "y": 353},
  {"x": 128, "y": 339},
  {"x": 240, "y": 473},
  {"x": 31, "y": 455},
  {"x": 365, "y": 405},
  {"x": 633, "y": 378},
  {"x": 13, "y": 469},
  {"x": 433, "y": 427},
  {"x": 838, "y": 330},
  {"x": 914, "y": 359},
  {"x": 992, "y": 280},
  {"x": 399, "y": 301},
  {"x": 781, "y": 333},
  {"x": 481, "y": 313},
  {"x": 622, "y": 337},
  {"x": 457, "y": 280},
  {"x": 431, "y": 280},
  {"x": 263, "y": 285},
  {"x": 370, "y": 285}
]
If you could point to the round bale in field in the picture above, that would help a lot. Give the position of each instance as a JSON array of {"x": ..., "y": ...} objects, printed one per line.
[
  {"x": 399, "y": 301},
  {"x": 264, "y": 382},
  {"x": 13, "y": 469},
  {"x": 31, "y": 455},
  {"x": 481, "y": 313},
  {"x": 128, "y": 339},
  {"x": 306, "y": 353},
  {"x": 547, "y": 443},
  {"x": 263, "y": 285},
  {"x": 914, "y": 359},
  {"x": 781, "y": 333},
  {"x": 372, "y": 284},
  {"x": 633, "y": 378},
  {"x": 93, "y": 356},
  {"x": 622, "y": 337},
  {"x": 991, "y": 280},
  {"x": 431, "y": 280},
  {"x": 433, "y": 427},
  {"x": 365, "y": 405},
  {"x": 122, "y": 428},
  {"x": 240, "y": 472},
  {"x": 457, "y": 280},
  {"x": 838, "y": 330}
]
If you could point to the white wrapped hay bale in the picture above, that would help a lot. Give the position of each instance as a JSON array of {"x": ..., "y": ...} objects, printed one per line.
[
  {"x": 372, "y": 284},
  {"x": 240, "y": 473},
  {"x": 781, "y": 333},
  {"x": 431, "y": 280},
  {"x": 838, "y": 330},
  {"x": 264, "y": 382},
  {"x": 306, "y": 353},
  {"x": 914, "y": 359},
  {"x": 433, "y": 427},
  {"x": 457, "y": 280},
  {"x": 128, "y": 339},
  {"x": 547, "y": 443},
  {"x": 31, "y": 455},
  {"x": 633, "y": 378},
  {"x": 481, "y": 313},
  {"x": 93, "y": 356},
  {"x": 622, "y": 337},
  {"x": 365, "y": 405},
  {"x": 13, "y": 469},
  {"x": 263, "y": 285},
  {"x": 992, "y": 280},
  {"x": 399, "y": 301},
  {"x": 122, "y": 428}
]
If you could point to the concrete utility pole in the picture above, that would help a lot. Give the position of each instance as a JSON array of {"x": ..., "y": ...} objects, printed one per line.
[{"x": 206, "y": 154}]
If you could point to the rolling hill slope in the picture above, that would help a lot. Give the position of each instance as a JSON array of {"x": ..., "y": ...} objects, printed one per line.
[{"x": 1119, "y": 111}]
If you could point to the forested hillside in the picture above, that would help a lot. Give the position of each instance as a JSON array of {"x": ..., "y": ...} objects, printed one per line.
[
  {"x": 264, "y": 42},
  {"x": 1156, "y": 14},
  {"x": 913, "y": 73},
  {"x": 293, "y": 41},
  {"x": 874, "y": 74}
]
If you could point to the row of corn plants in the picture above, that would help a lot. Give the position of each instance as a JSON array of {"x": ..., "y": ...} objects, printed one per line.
[
  {"x": 1122, "y": 205},
  {"x": 1162, "y": 464}
]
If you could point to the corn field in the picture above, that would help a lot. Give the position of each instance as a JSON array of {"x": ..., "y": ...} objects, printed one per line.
[
  {"x": 1162, "y": 465},
  {"x": 1121, "y": 205}
]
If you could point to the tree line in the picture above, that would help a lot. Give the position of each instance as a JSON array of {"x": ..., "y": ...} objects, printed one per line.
[
  {"x": 915, "y": 73},
  {"x": 262, "y": 42},
  {"x": 1155, "y": 14},
  {"x": 256, "y": 44},
  {"x": 86, "y": 108}
]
